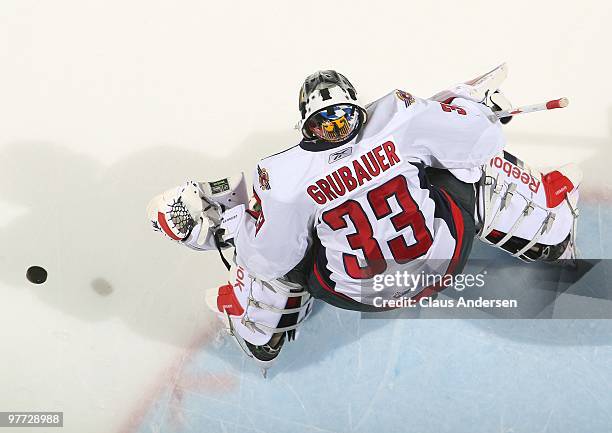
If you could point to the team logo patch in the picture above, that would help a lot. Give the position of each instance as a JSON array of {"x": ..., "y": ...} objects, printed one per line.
[
  {"x": 264, "y": 178},
  {"x": 219, "y": 186},
  {"x": 404, "y": 96},
  {"x": 337, "y": 156}
]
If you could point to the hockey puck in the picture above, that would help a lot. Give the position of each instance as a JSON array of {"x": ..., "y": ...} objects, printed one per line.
[{"x": 36, "y": 274}]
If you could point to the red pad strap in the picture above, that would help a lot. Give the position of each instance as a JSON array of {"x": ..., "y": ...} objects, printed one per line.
[
  {"x": 556, "y": 187},
  {"x": 227, "y": 301}
]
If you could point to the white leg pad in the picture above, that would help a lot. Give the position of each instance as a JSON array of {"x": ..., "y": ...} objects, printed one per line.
[
  {"x": 515, "y": 201},
  {"x": 253, "y": 308}
]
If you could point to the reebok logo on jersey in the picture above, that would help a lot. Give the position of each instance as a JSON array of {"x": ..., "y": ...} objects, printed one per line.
[
  {"x": 354, "y": 174},
  {"x": 337, "y": 156},
  {"x": 512, "y": 170}
]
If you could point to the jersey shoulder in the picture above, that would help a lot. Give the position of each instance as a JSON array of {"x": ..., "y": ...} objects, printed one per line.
[
  {"x": 396, "y": 107},
  {"x": 282, "y": 175},
  {"x": 456, "y": 135},
  {"x": 461, "y": 120},
  {"x": 460, "y": 135}
]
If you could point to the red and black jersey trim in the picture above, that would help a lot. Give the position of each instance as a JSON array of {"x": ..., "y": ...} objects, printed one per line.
[
  {"x": 454, "y": 204},
  {"x": 321, "y": 286},
  {"x": 458, "y": 234},
  {"x": 442, "y": 207},
  {"x": 458, "y": 259},
  {"x": 255, "y": 213},
  {"x": 322, "y": 273},
  {"x": 258, "y": 213}
]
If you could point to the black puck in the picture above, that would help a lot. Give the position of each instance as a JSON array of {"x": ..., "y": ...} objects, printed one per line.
[{"x": 36, "y": 274}]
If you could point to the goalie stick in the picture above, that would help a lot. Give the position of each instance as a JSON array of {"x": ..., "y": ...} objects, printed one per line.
[{"x": 550, "y": 105}]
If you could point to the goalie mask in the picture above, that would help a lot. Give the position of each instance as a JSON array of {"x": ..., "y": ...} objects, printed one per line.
[
  {"x": 334, "y": 124},
  {"x": 329, "y": 108}
]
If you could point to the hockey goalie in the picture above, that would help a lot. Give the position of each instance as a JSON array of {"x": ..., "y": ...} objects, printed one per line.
[{"x": 401, "y": 184}]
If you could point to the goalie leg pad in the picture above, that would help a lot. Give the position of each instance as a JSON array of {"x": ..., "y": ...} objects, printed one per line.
[
  {"x": 260, "y": 315},
  {"x": 527, "y": 213},
  {"x": 257, "y": 309}
]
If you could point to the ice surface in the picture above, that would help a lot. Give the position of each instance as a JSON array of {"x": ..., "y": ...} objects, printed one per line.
[{"x": 105, "y": 103}]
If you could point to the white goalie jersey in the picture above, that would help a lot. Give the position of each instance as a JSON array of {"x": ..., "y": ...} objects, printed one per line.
[{"x": 365, "y": 207}]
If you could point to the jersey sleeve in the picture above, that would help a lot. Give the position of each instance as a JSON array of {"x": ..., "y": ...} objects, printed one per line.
[
  {"x": 273, "y": 236},
  {"x": 462, "y": 135}
]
